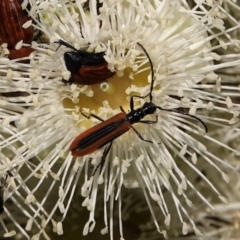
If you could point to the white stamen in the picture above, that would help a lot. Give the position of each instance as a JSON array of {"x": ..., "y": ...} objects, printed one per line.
[
  {"x": 59, "y": 228},
  {"x": 29, "y": 224}
]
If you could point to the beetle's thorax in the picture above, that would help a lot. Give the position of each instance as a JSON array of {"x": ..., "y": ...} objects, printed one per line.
[{"x": 136, "y": 115}]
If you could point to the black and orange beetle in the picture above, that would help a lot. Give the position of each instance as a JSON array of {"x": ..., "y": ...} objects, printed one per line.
[
  {"x": 12, "y": 18},
  {"x": 105, "y": 132},
  {"x": 86, "y": 68}
]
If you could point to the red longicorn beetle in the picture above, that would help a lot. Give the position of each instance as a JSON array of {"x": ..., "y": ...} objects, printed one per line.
[
  {"x": 86, "y": 68},
  {"x": 105, "y": 132},
  {"x": 12, "y": 18}
]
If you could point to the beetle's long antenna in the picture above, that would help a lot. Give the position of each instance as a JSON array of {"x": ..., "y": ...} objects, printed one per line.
[
  {"x": 61, "y": 42},
  {"x": 184, "y": 113},
  {"x": 164, "y": 109},
  {"x": 152, "y": 72}
]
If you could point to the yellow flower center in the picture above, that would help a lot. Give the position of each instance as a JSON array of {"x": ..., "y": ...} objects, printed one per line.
[{"x": 113, "y": 90}]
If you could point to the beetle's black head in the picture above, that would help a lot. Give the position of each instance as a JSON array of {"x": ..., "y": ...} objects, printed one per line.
[
  {"x": 75, "y": 60},
  {"x": 149, "y": 108}
]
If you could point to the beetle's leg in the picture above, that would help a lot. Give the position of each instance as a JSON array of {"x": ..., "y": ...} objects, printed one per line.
[
  {"x": 91, "y": 115},
  {"x": 140, "y": 136},
  {"x": 68, "y": 82},
  {"x": 105, "y": 153},
  {"x": 150, "y": 122},
  {"x": 61, "y": 42},
  {"x": 80, "y": 26},
  {"x": 8, "y": 174}
]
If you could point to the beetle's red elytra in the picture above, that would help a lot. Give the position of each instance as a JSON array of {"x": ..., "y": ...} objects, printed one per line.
[
  {"x": 95, "y": 74},
  {"x": 12, "y": 18},
  {"x": 21, "y": 53},
  {"x": 84, "y": 144}
]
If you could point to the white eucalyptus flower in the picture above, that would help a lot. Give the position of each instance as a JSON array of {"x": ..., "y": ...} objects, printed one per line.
[{"x": 178, "y": 41}]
